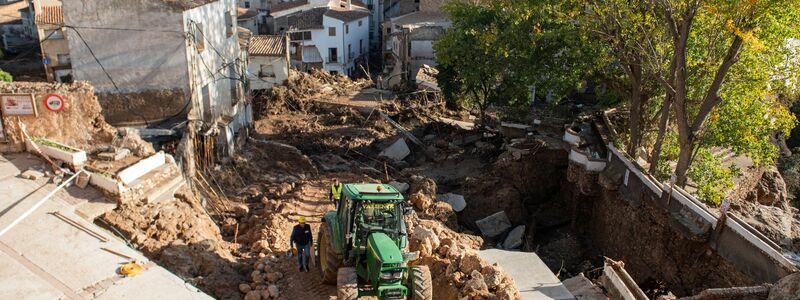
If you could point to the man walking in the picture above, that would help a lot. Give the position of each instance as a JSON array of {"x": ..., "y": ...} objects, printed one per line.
[
  {"x": 336, "y": 192},
  {"x": 301, "y": 239}
]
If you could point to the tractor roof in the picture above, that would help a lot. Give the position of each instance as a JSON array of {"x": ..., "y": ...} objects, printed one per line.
[{"x": 372, "y": 192}]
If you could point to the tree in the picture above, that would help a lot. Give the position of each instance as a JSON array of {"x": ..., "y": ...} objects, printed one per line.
[
  {"x": 712, "y": 41},
  {"x": 5, "y": 76},
  {"x": 496, "y": 50}
]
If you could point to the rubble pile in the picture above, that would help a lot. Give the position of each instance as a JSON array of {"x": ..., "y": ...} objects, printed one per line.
[
  {"x": 452, "y": 257},
  {"x": 302, "y": 87}
]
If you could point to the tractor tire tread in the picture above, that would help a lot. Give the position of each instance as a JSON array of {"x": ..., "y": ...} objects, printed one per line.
[
  {"x": 347, "y": 284},
  {"x": 333, "y": 260},
  {"x": 421, "y": 283}
]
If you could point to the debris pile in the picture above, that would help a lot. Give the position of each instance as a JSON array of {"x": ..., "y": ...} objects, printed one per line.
[{"x": 303, "y": 87}]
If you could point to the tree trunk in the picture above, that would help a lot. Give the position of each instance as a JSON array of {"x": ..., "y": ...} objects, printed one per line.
[
  {"x": 635, "y": 117},
  {"x": 663, "y": 123},
  {"x": 684, "y": 160}
]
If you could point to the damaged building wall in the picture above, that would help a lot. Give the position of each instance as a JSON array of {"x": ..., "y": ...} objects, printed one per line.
[{"x": 80, "y": 124}]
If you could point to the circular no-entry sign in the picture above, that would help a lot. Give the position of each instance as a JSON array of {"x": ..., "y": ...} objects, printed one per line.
[{"x": 54, "y": 102}]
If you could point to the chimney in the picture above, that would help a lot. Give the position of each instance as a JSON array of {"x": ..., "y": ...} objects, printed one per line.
[{"x": 349, "y": 5}]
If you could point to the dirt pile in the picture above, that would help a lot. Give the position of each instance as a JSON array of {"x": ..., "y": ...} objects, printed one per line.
[
  {"x": 180, "y": 236},
  {"x": 79, "y": 124},
  {"x": 302, "y": 87}
]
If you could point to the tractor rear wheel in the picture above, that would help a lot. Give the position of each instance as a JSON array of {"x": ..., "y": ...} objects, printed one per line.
[
  {"x": 328, "y": 260},
  {"x": 347, "y": 284},
  {"x": 421, "y": 283}
]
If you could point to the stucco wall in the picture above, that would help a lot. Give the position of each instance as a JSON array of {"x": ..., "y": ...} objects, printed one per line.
[
  {"x": 340, "y": 41},
  {"x": 140, "y": 44},
  {"x": 210, "y": 67},
  {"x": 279, "y": 65}
]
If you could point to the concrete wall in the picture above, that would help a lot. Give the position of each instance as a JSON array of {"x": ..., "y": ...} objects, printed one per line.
[
  {"x": 150, "y": 55},
  {"x": 280, "y": 66}
]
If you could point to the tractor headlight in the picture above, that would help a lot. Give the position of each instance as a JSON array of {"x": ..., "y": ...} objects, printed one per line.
[{"x": 392, "y": 275}]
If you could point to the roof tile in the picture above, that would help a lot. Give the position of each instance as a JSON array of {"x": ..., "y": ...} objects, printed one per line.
[{"x": 267, "y": 45}]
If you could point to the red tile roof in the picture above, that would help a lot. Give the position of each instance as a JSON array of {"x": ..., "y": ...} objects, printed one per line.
[
  {"x": 50, "y": 15},
  {"x": 287, "y": 5},
  {"x": 267, "y": 45}
]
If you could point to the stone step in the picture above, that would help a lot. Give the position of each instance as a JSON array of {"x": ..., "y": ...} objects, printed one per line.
[
  {"x": 164, "y": 191},
  {"x": 139, "y": 188}
]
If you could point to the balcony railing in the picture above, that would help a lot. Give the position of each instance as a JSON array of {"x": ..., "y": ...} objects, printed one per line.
[{"x": 333, "y": 60}]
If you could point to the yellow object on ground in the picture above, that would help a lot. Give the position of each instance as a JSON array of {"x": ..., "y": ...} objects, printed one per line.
[
  {"x": 301, "y": 220},
  {"x": 131, "y": 269}
]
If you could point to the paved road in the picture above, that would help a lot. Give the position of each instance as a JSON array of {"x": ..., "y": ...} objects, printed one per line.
[{"x": 44, "y": 257}]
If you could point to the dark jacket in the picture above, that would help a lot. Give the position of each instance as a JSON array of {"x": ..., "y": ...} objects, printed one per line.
[{"x": 301, "y": 234}]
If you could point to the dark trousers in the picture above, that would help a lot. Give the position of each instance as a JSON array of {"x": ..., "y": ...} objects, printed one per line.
[{"x": 303, "y": 255}]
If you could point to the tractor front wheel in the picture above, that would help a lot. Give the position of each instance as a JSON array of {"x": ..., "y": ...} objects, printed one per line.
[
  {"x": 421, "y": 283},
  {"x": 327, "y": 260},
  {"x": 347, "y": 284}
]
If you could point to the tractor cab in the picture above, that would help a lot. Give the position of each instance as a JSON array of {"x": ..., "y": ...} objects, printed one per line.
[{"x": 369, "y": 208}]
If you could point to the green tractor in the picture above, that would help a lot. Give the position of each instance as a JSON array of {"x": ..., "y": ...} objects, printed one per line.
[{"x": 363, "y": 247}]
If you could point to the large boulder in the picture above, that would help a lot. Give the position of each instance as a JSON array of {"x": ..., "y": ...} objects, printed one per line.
[
  {"x": 455, "y": 200},
  {"x": 787, "y": 288},
  {"x": 770, "y": 190},
  {"x": 494, "y": 225},
  {"x": 514, "y": 238}
]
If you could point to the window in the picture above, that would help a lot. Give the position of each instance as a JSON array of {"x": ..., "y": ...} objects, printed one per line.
[
  {"x": 360, "y": 22},
  {"x": 266, "y": 71},
  {"x": 229, "y": 24},
  {"x": 333, "y": 55},
  {"x": 199, "y": 39},
  {"x": 361, "y": 46},
  {"x": 331, "y": 31},
  {"x": 63, "y": 59},
  {"x": 53, "y": 34},
  {"x": 334, "y": 73},
  {"x": 346, "y": 29},
  {"x": 263, "y": 3},
  {"x": 300, "y": 36},
  {"x": 247, "y": 4},
  {"x": 349, "y": 52},
  {"x": 232, "y": 76}
]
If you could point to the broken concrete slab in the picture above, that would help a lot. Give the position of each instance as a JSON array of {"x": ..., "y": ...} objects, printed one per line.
[
  {"x": 401, "y": 187},
  {"x": 494, "y": 225},
  {"x": 32, "y": 174},
  {"x": 397, "y": 151},
  {"x": 583, "y": 288},
  {"x": 514, "y": 238},
  {"x": 455, "y": 200},
  {"x": 119, "y": 154}
]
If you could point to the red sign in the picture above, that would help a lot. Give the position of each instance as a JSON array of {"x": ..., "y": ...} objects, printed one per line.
[{"x": 54, "y": 102}]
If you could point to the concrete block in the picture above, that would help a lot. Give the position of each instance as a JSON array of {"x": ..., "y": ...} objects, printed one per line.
[
  {"x": 455, "y": 200},
  {"x": 397, "y": 151},
  {"x": 494, "y": 225},
  {"x": 32, "y": 174},
  {"x": 402, "y": 187},
  {"x": 514, "y": 238},
  {"x": 114, "y": 156}
]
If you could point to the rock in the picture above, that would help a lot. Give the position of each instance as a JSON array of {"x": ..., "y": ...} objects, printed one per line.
[
  {"x": 260, "y": 246},
  {"x": 31, "y": 174},
  {"x": 492, "y": 276},
  {"x": 494, "y": 225},
  {"x": 475, "y": 287},
  {"x": 238, "y": 208},
  {"x": 425, "y": 240},
  {"x": 397, "y": 151},
  {"x": 442, "y": 212},
  {"x": 244, "y": 288},
  {"x": 273, "y": 290},
  {"x": 273, "y": 277},
  {"x": 455, "y": 200},
  {"x": 400, "y": 186},
  {"x": 472, "y": 262},
  {"x": 514, "y": 238},
  {"x": 252, "y": 295},
  {"x": 770, "y": 190},
  {"x": 265, "y": 294},
  {"x": 788, "y": 288},
  {"x": 420, "y": 200}
]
